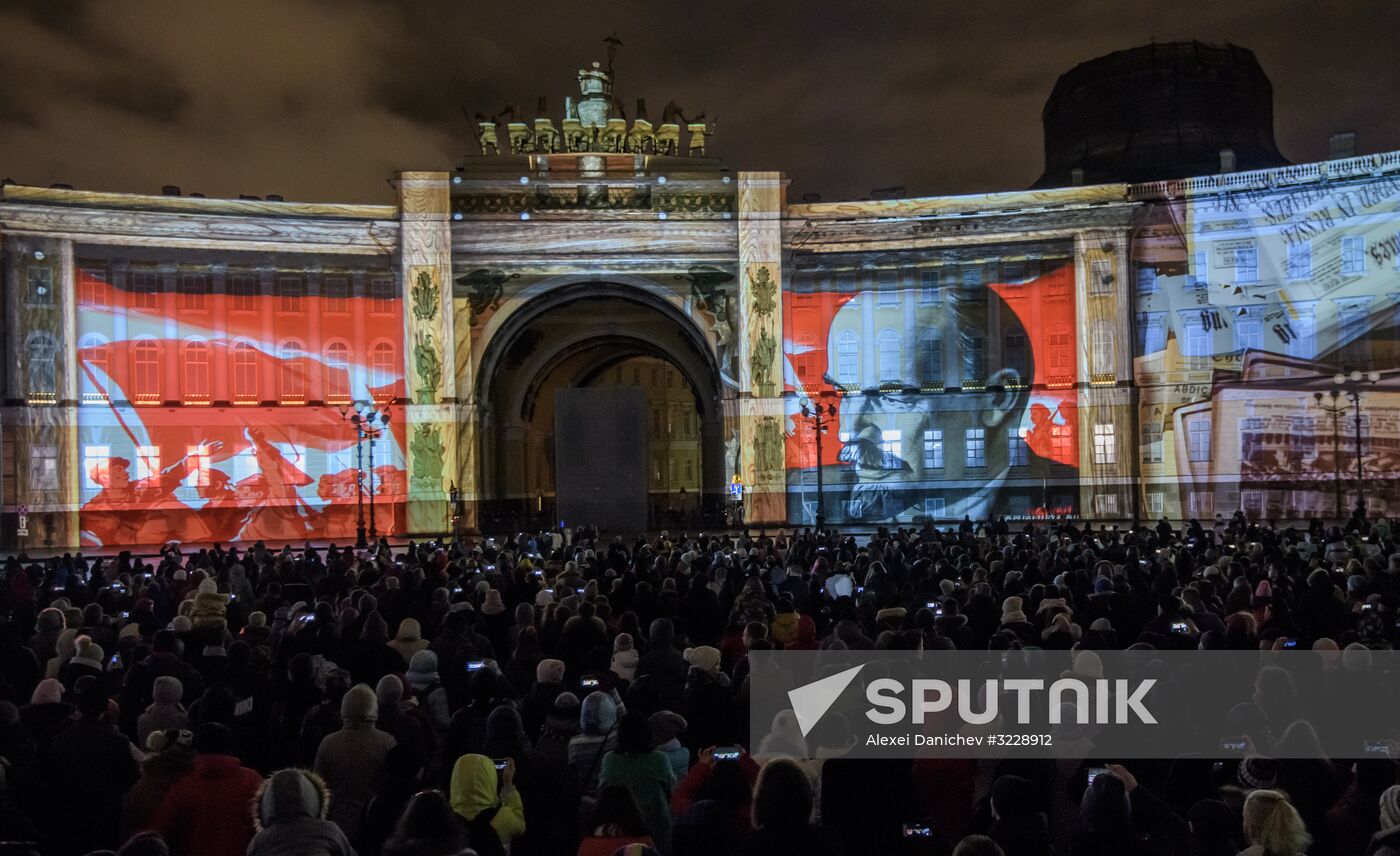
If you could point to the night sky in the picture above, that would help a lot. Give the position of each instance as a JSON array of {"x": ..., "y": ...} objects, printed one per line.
[{"x": 324, "y": 99}]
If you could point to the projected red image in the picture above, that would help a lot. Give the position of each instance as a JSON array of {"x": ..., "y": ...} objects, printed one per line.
[
  {"x": 940, "y": 376},
  {"x": 234, "y": 431}
]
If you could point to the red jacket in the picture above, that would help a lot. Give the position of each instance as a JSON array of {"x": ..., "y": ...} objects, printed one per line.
[{"x": 209, "y": 812}]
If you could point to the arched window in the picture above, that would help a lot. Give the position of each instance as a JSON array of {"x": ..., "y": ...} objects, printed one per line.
[
  {"x": 337, "y": 360},
  {"x": 1061, "y": 353},
  {"x": 931, "y": 357},
  {"x": 1101, "y": 350},
  {"x": 196, "y": 361},
  {"x": 890, "y": 353},
  {"x": 145, "y": 371},
  {"x": 42, "y": 369},
  {"x": 848, "y": 357},
  {"x": 93, "y": 357},
  {"x": 382, "y": 370},
  {"x": 245, "y": 373},
  {"x": 292, "y": 372}
]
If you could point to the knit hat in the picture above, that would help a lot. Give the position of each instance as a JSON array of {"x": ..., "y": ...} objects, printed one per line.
[
  {"x": 623, "y": 642},
  {"x": 167, "y": 690},
  {"x": 706, "y": 658},
  {"x": 1011, "y": 611},
  {"x": 213, "y": 738},
  {"x": 89, "y": 650},
  {"x": 1390, "y": 807},
  {"x": 1103, "y": 585},
  {"x": 493, "y": 605},
  {"x": 360, "y": 704},
  {"x": 1101, "y": 625},
  {"x": 409, "y": 630},
  {"x": 563, "y": 714},
  {"x": 257, "y": 619},
  {"x": 1105, "y": 804},
  {"x": 209, "y": 586},
  {"x": 665, "y": 725},
  {"x": 179, "y": 576},
  {"x": 288, "y": 794},
  {"x": 1258, "y": 772},
  {"x": 422, "y": 670},
  {"x": 947, "y": 587},
  {"x": 182, "y": 624},
  {"x": 549, "y": 671},
  {"x": 130, "y": 631},
  {"x": 49, "y": 691},
  {"x": 892, "y": 613},
  {"x": 544, "y": 597}
]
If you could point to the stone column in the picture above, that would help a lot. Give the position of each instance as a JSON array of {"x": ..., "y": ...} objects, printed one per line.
[
  {"x": 762, "y": 423},
  {"x": 425, "y": 277}
]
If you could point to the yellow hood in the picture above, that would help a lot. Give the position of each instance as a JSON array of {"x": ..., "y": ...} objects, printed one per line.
[{"x": 473, "y": 785}]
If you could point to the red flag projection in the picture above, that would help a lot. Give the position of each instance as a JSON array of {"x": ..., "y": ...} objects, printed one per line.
[
  {"x": 953, "y": 383},
  {"x": 218, "y": 418}
]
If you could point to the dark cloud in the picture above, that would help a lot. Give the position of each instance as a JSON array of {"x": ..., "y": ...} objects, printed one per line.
[{"x": 323, "y": 100}]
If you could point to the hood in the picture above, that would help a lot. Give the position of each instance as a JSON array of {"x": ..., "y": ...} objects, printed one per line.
[
  {"x": 663, "y": 634},
  {"x": 167, "y": 690},
  {"x": 359, "y": 704},
  {"x": 473, "y": 785},
  {"x": 598, "y": 714},
  {"x": 290, "y": 794},
  {"x": 409, "y": 631}
]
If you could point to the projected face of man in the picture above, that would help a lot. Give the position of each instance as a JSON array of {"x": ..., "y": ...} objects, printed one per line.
[{"x": 891, "y": 480}]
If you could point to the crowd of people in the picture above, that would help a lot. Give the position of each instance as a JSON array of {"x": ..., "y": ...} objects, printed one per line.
[{"x": 557, "y": 693}]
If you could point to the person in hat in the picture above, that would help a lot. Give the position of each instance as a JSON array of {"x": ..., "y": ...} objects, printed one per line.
[
  {"x": 1018, "y": 823},
  {"x": 666, "y": 728},
  {"x": 488, "y": 800},
  {"x": 89, "y": 765},
  {"x": 1386, "y": 842},
  {"x": 624, "y": 657},
  {"x": 1013, "y": 621},
  {"x": 429, "y": 827},
  {"x": 408, "y": 640},
  {"x": 165, "y": 711},
  {"x": 195, "y": 816},
  {"x": 709, "y": 703},
  {"x": 289, "y": 813},
  {"x": 169, "y": 756},
  {"x": 351, "y": 760}
]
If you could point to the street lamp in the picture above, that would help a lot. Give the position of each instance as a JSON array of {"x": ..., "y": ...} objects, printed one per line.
[
  {"x": 1349, "y": 385},
  {"x": 364, "y": 420},
  {"x": 820, "y": 415}
]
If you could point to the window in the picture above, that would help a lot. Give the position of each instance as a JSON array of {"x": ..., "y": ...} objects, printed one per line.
[
  {"x": 1198, "y": 437},
  {"x": 974, "y": 358},
  {"x": 1247, "y": 263},
  {"x": 1303, "y": 339},
  {"x": 337, "y": 293},
  {"x": 337, "y": 372},
  {"x": 656, "y": 429},
  {"x": 1152, "y": 332},
  {"x": 928, "y": 287},
  {"x": 145, "y": 372},
  {"x": 147, "y": 461},
  {"x": 1353, "y": 255},
  {"x": 1104, "y": 451},
  {"x": 1013, "y": 273},
  {"x": 1199, "y": 276},
  {"x": 1014, "y": 355},
  {"x": 1018, "y": 454},
  {"x": 196, "y": 360},
  {"x": 976, "y": 447},
  {"x": 1152, "y": 442},
  {"x": 888, "y": 285},
  {"x": 382, "y": 370},
  {"x": 848, "y": 357},
  {"x": 291, "y": 291},
  {"x": 198, "y": 460},
  {"x": 892, "y": 447},
  {"x": 935, "y": 507},
  {"x": 931, "y": 358},
  {"x": 95, "y": 460},
  {"x": 933, "y": 449},
  {"x": 1101, "y": 350},
  {"x": 1201, "y": 503},
  {"x": 292, "y": 372},
  {"x": 92, "y": 288},
  {"x": 194, "y": 292},
  {"x": 1300, "y": 260},
  {"x": 93, "y": 357},
  {"x": 1061, "y": 354},
  {"x": 1197, "y": 337},
  {"x": 846, "y": 287},
  {"x": 145, "y": 290},
  {"x": 889, "y": 357},
  {"x": 972, "y": 277},
  {"x": 243, "y": 293},
  {"x": 1106, "y": 504},
  {"x": 245, "y": 373},
  {"x": 1146, "y": 280},
  {"x": 1249, "y": 333},
  {"x": 1061, "y": 446},
  {"x": 1101, "y": 277},
  {"x": 40, "y": 290},
  {"x": 689, "y": 470},
  {"x": 43, "y": 468},
  {"x": 1154, "y": 502},
  {"x": 42, "y": 369},
  {"x": 381, "y": 292},
  {"x": 1352, "y": 331}
]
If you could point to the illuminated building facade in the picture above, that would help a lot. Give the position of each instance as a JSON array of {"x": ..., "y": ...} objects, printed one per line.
[{"x": 184, "y": 368}]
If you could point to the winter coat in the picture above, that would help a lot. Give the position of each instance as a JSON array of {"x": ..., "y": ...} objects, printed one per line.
[
  {"x": 1385, "y": 843},
  {"x": 164, "y": 713},
  {"x": 648, "y": 777},
  {"x": 290, "y": 816},
  {"x": 474, "y": 790},
  {"x": 90, "y": 765},
  {"x": 159, "y": 773},
  {"x": 352, "y": 762},
  {"x": 206, "y": 812}
]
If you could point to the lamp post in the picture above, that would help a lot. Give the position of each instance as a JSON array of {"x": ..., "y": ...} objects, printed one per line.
[
  {"x": 1335, "y": 411},
  {"x": 364, "y": 419},
  {"x": 1349, "y": 385},
  {"x": 820, "y": 415}
]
